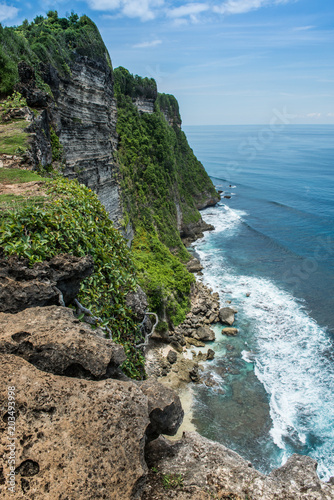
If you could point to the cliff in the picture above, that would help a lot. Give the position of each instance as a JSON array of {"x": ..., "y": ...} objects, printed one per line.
[
  {"x": 113, "y": 132},
  {"x": 83, "y": 428}
]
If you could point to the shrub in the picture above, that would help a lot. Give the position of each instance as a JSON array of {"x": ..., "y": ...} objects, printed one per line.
[{"x": 72, "y": 220}]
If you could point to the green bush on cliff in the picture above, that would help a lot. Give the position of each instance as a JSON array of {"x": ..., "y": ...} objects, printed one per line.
[
  {"x": 162, "y": 182},
  {"x": 158, "y": 168},
  {"x": 48, "y": 39},
  {"x": 164, "y": 278},
  {"x": 134, "y": 86},
  {"x": 72, "y": 220}
]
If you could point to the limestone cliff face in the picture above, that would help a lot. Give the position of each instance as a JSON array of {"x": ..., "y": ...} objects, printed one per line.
[
  {"x": 83, "y": 115},
  {"x": 144, "y": 105},
  {"x": 86, "y": 116}
]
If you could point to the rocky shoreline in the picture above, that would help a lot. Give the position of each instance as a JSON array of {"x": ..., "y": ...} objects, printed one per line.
[
  {"x": 208, "y": 468},
  {"x": 170, "y": 356},
  {"x": 75, "y": 427}
]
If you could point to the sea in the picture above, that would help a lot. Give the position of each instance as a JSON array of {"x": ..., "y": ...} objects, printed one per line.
[{"x": 270, "y": 388}]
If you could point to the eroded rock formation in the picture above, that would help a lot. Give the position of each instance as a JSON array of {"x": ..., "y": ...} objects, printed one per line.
[
  {"x": 74, "y": 437},
  {"x": 54, "y": 340},
  {"x": 210, "y": 470},
  {"x": 46, "y": 283}
]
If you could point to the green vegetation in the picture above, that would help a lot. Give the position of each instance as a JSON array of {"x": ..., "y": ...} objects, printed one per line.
[
  {"x": 158, "y": 168},
  {"x": 172, "y": 481},
  {"x": 48, "y": 39},
  {"x": 17, "y": 176},
  {"x": 160, "y": 176},
  {"x": 14, "y": 101},
  {"x": 13, "y": 138},
  {"x": 165, "y": 280},
  {"x": 57, "y": 148},
  {"x": 134, "y": 86},
  {"x": 16, "y": 202},
  {"x": 169, "y": 105},
  {"x": 72, "y": 220}
]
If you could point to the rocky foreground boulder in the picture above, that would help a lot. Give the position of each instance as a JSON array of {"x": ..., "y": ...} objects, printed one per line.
[
  {"x": 55, "y": 341},
  {"x": 200, "y": 469},
  {"x": 75, "y": 437}
]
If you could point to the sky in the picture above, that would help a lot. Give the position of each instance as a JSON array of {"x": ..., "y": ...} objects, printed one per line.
[{"x": 227, "y": 62}]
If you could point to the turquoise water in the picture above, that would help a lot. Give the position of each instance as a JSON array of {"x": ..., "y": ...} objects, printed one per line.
[{"x": 274, "y": 241}]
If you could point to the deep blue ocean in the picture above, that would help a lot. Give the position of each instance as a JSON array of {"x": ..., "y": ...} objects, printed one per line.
[{"x": 272, "y": 255}]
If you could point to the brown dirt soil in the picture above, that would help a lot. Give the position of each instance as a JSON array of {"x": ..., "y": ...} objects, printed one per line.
[{"x": 34, "y": 188}]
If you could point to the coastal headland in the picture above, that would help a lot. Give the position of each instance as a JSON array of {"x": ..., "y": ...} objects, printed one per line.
[{"x": 99, "y": 307}]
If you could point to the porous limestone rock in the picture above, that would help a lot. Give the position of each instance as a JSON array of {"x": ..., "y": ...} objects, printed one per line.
[
  {"x": 194, "y": 266},
  {"x": 182, "y": 373},
  {"x": 171, "y": 357},
  {"x": 210, "y": 354},
  {"x": 164, "y": 407},
  {"x": 55, "y": 341},
  {"x": 204, "y": 333},
  {"x": 75, "y": 439},
  {"x": 210, "y": 470},
  {"x": 193, "y": 230},
  {"x": 194, "y": 342},
  {"x": 138, "y": 303},
  {"x": 22, "y": 286},
  {"x": 144, "y": 104},
  {"x": 230, "y": 331}
]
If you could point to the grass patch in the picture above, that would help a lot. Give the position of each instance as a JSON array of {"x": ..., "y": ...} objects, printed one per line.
[
  {"x": 18, "y": 176},
  {"x": 16, "y": 202},
  {"x": 172, "y": 481},
  {"x": 13, "y": 139}
]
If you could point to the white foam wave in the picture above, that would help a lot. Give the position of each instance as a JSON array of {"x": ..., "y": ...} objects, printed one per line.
[
  {"x": 292, "y": 362},
  {"x": 248, "y": 356},
  {"x": 292, "y": 355},
  {"x": 223, "y": 218}
]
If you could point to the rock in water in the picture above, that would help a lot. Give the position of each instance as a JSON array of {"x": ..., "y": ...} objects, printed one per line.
[
  {"x": 226, "y": 315},
  {"x": 194, "y": 266},
  {"x": 204, "y": 333},
  {"x": 229, "y": 331},
  {"x": 210, "y": 354}
]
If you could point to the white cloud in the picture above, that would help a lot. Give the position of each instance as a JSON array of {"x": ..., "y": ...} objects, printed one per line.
[
  {"x": 143, "y": 9},
  {"x": 7, "y": 12},
  {"x": 149, "y": 9},
  {"x": 145, "y": 45},
  {"x": 314, "y": 115},
  {"x": 303, "y": 28},
  {"x": 190, "y": 9},
  {"x": 243, "y": 6},
  {"x": 239, "y": 6}
]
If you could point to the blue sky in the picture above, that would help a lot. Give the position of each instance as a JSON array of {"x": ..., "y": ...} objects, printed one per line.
[{"x": 226, "y": 61}]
